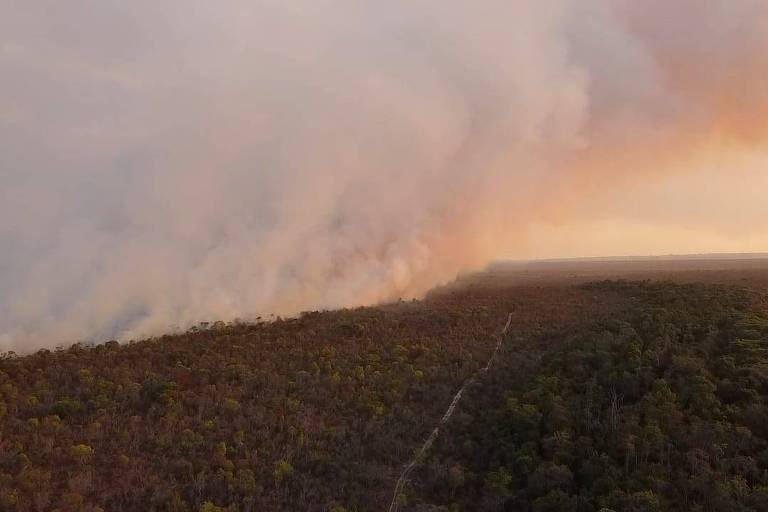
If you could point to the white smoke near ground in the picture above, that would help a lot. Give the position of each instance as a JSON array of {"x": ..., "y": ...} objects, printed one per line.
[{"x": 167, "y": 162}]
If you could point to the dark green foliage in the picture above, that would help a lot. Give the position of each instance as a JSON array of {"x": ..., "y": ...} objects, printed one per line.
[{"x": 661, "y": 406}]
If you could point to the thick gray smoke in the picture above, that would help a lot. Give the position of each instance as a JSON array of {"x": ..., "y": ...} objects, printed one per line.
[{"x": 165, "y": 162}]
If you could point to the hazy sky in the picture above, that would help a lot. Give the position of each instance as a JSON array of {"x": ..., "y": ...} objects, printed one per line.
[{"x": 164, "y": 162}]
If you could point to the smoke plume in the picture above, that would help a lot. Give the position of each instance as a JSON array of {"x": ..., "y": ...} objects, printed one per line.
[{"x": 166, "y": 162}]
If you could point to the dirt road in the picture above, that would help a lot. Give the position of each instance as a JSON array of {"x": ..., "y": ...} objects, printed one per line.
[{"x": 394, "y": 505}]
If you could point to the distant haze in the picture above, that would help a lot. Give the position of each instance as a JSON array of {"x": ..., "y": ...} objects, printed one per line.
[{"x": 165, "y": 162}]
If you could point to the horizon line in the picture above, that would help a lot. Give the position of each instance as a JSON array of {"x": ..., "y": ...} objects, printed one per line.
[{"x": 635, "y": 257}]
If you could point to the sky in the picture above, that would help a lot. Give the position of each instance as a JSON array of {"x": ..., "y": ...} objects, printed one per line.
[{"x": 166, "y": 162}]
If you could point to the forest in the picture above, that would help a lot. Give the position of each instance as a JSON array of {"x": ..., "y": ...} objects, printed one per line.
[
  {"x": 606, "y": 396},
  {"x": 661, "y": 407}
]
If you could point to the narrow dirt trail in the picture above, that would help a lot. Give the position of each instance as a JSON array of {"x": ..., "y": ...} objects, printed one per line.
[{"x": 394, "y": 505}]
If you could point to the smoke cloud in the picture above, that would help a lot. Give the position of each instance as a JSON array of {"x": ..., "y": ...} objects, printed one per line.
[{"x": 166, "y": 162}]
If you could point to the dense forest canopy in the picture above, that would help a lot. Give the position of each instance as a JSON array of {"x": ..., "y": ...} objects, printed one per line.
[
  {"x": 661, "y": 407},
  {"x": 614, "y": 395}
]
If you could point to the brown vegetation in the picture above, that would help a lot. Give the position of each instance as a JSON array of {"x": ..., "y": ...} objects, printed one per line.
[{"x": 321, "y": 412}]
